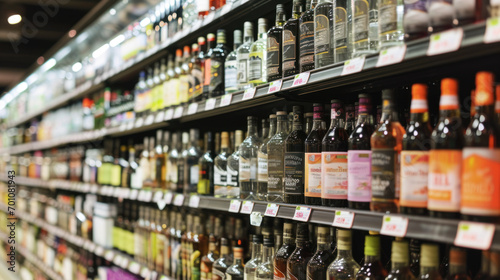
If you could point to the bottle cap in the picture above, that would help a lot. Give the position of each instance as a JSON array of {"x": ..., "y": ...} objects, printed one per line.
[
  {"x": 262, "y": 21},
  {"x": 458, "y": 256},
  {"x": 449, "y": 98},
  {"x": 418, "y": 98},
  {"x": 484, "y": 88},
  {"x": 272, "y": 116},
  {"x": 281, "y": 113},
  {"x": 389, "y": 93},
  {"x": 194, "y": 47},
  {"x": 201, "y": 41},
  {"x": 185, "y": 137},
  {"x": 429, "y": 255},
  {"x": 186, "y": 49},
  {"x": 237, "y": 36},
  {"x": 344, "y": 239},
  {"x": 248, "y": 29},
  {"x": 257, "y": 238},
  {"x": 372, "y": 245},
  {"x": 280, "y": 8},
  {"x": 252, "y": 118},
  {"x": 400, "y": 251},
  {"x": 178, "y": 53},
  {"x": 210, "y": 37}
]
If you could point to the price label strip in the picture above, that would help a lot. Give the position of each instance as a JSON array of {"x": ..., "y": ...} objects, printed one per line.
[
  {"x": 445, "y": 42},
  {"x": 247, "y": 207},
  {"x": 158, "y": 196},
  {"x": 492, "y": 33},
  {"x": 168, "y": 197},
  {"x": 394, "y": 226},
  {"x": 302, "y": 213},
  {"x": 226, "y": 100},
  {"x": 301, "y": 79},
  {"x": 179, "y": 200},
  {"x": 354, "y": 65},
  {"x": 275, "y": 86},
  {"x": 160, "y": 116},
  {"x": 149, "y": 119},
  {"x": 474, "y": 235},
  {"x": 193, "y": 107},
  {"x": 234, "y": 206},
  {"x": 249, "y": 93},
  {"x": 169, "y": 114},
  {"x": 194, "y": 201},
  {"x": 343, "y": 219},
  {"x": 210, "y": 104},
  {"x": 178, "y": 112},
  {"x": 272, "y": 210},
  {"x": 391, "y": 55}
]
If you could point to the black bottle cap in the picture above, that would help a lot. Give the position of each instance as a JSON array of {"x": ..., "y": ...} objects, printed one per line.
[{"x": 389, "y": 93}]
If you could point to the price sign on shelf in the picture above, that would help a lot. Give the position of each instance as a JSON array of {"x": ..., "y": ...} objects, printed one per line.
[
  {"x": 343, "y": 219},
  {"x": 210, "y": 104},
  {"x": 178, "y": 112},
  {"x": 158, "y": 196},
  {"x": 391, "y": 55},
  {"x": 109, "y": 255},
  {"x": 394, "y": 226},
  {"x": 474, "y": 235},
  {"x": 169, "y": 114},
  {"x": 256, "y": 219},
  {"x": 194, "y": 201},
  {"x": 234, "y": 206},
  {"x": 226, "y": 8},
  {"x": 133, "y": 194},
  {"x": 139, "y": 122},
  {"x": 134, "y": 267},
  {"x": 161, "y": 204},
  {"x": 226, "y": 100},
  {"x": 160, "y": 116},
  {"x": 168, "y": 197},
  {"x": 354, "y": 65},
  {"x": 302, "y": 213},
  {"x": 148, "y": 196},
  {"x": 275, "y": 86},
  {"x": 445, "y": 42},
  {"x": 492, "y": 33},
  {"x": 247, "y": 207},
  {"x": 301, "y": 79},
  {"x": 249, "y": 93},
  {"x": 179, "y": 200},
  {"x": 272, "y": 210},
  {"x": 149, "y": 119},
  {"x": 193, "y": 107}
]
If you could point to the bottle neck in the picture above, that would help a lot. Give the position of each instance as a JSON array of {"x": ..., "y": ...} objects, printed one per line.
[
  {"x": 399, "y": 264},
  {"x": 282, "y": 124},
  {"x": 389, "y": 113},
  {"x": 236, "y": 45},
  {"x": 364, "y": 119},
  {"x": 288, "y": 240},
  {"x": 267, "y": 254},
  {"x": 224, "y": 251},
  {"x": 256, "y": 250},
  {"x": 297, "y": 125},
  {"x": 344, "y": 253},
  {"x": 297, "y": 10},
  {"x": 252, "y": 129},
  {"x": 272, "y": 128},
  {"x": 487, "y": 111},
  {"x": 262, "y": 30},
  {"x": 317, "y": 123},
  {"x": 422, "y": 117},
  {"x": 372, "y": 259},
  {"x": 210, "y": 44},
  {"x": 323, "y": 246}
]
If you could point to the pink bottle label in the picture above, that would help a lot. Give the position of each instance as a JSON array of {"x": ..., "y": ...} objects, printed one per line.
[{"x": 359, "y": 176}]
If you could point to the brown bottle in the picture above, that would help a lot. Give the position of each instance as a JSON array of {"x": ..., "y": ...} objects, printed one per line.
[
  {"x": 372, "y": 268},
  {"x": 296, "y": 267},
  {"x": 458, "y": 265},
  {"x": 318, "y": 264},
  {"x": 208, "y": 260},
  {"x": 285, "y": 251},
  {"x": 199, "y": 247},
  {"x": 312, "y": 161}
]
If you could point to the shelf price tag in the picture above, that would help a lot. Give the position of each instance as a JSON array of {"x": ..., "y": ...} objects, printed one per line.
[
  {"x": 149, "y": 119},
  {"x": 169, "y": 114},
  {"x": 226, "y": 100},
  {"x": 391, "y": 55},
  {"x": 474, "y": 235},
  {"x": 446, "y": 41},
  {"x": 117, "y": 260},
  {"x": 193, "y": 107},
  {"x": 178, "y": 112},
  {"x": 168, "y": 197},
  {"x": 275, "y": 86},
  {"x": 109, "y": 255},
  {"x": 142, "y": 195},
  {"x": 343, "y": 219},
  {"x": 161, "y": 204},
  {"x": 301, "y": 79},
  {"x": 354, "y": 65},
  {"x": 256, "y": 219},
  {"x": 272, "y": 210},
  {"x": 394, "y": 226},
  {"x": 134, "y": 267},
  {"x": 130, "y": 125},
  {"x": 249, "y": 93},
  {"x": 133, "y": 194},
  {"x": 247, "y": 207},
  {"x": 209, "y": 18},
  {"x": 210, "y": 104},
  {"x": 158, "y": 196},
  {"x": 124, "y": 263},
  {"x": 302, "y": 213},
  {"x": 234, "y": 206},
  {"x": 160, "y": 116},
  {"x": 163, "y": 277},
  {"x": 148, "y": 195},
  {"x": 194, "y": 201},
  {"x": 179, "y": 200},
  {"x": 139, "y": 122},
  {"x": 492, "y": 33}
]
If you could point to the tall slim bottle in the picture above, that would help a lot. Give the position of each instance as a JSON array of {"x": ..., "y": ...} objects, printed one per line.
[
  {"x": 206, "y": 167},
  {"x": 221, "y": 264},
  {"x": 231, "y": 65},
  {"x": 318, "y": 265},
  {"x": 312, "y": 166},
  {"x": 400, "y": 267},
  {"x": 291, "y": 41},
  {"x": 191, "y": 157},
  {"x": 275, "y": 162},
  {"x": 235, "y": 271},
  {"x": 458, "y": 264},
  {"x": 184, "y": 77},
  {"x": 429, "y": 262},
  {"x": 243, "y": 54},
  {"x": 208, "y": 260},
  {"x": 415, "y": 155},
  {"x": 217, "y": 59},
  {"x": 296, "y": 267},
  {"x": 199, "y": 247},
  {"x": 233, "y": 162},
  {"x": 262, "y": 161},
  {"x": 207, "y": 61},
  {"x": 294, "y": 160},
  {"x": 248, "y": 160},
  {"x": 342, "y": 29},
  {"x": 306, "y": 36},
  {"x": 220, "y": 167},
  {"x": 253, "y": 263},
  {"x": 334, "y": 160},
  {"x": 372, "y": 268},
  {"x": 364, "y": 27},
  {"x": 285, "y": 251},
  {"x": 323, "y": 34},
  {"x": 265, "y": 269},
  {"x": 257, "y": 60},
  {"x": 172, "y": 159},
  {"x": 274, "y": 46},
  {"x": 390, "y": 25},
  {"x": 344, "y": 267}
]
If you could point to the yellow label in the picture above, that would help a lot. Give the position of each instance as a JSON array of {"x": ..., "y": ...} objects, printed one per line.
[{"x": 116, "y": 177}]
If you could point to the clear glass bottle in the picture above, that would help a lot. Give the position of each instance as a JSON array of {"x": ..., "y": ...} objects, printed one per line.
[
  {"x": 390, "y": 25},
  {"x": 364, "y": 27},
  {"x": 265, "y": 269},
  {"x": 372, "y": 268},
  {"x": 191, "y": 157},
  {"x": 262, "y": 161},
  {"x": 257, "y": 61},
  {"x": 318, "y": 265},
  {"x": 275, "y": 162},
  {"x": 344, "y": 267},
  {"x": 253, "y": 263},
  {"x": 306, "y": 36},
  {"x": 429, "y": 262},
  {"x": 274, "y": 46},
  {"x": 342, "y": 30},
  {"x": 206, "y": 167},
  {"x": 291, "y": 42},
  {"x": 293, "y": 179},
  {"x": 296, "y": 267},
  {"x": 231, "y": 65},
  {"x": 323, "y": 34},
  {"x": 248, "y": 160},
  {"x": 400, "y": 268},
  {"x": 236, "y": 271},
  {"x": 172, "y": 159},
  {"x": 217, "y": 59},
  {"x": 220, "y": 167},
  {"x": 285, "y": 251},
  {"x": 312, "y": 166},
  {"x": 243, "y": 54},
  {"x": 233, "y": 162},
  {"x": 184, "y": 76}
]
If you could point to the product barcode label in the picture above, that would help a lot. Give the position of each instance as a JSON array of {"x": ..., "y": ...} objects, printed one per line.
[
  {"x": 343, "y": 219},
  {"x": 394, "y": 226},
  {"x": 474, "y": 235},
  {"x": 234, "y": 206},
  {"x": 272, "y": 210}
]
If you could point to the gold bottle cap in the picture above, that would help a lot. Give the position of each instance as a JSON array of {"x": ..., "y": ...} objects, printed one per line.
[
  {"x": 429, "y": 255},
  {"x": 400, "y": 252}
]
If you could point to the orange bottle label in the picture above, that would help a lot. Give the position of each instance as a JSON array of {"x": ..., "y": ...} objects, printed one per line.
[
  {"x": 481, "y": 182},
  {"x": 313, "y": 174},
  {"x": 414, "y": 178},
  {"x": 445, "y": 169}
]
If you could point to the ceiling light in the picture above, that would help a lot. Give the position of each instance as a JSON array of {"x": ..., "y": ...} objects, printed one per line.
[
  {"x": 14, "y": 19},
  {"x": 76, "y": 67}
]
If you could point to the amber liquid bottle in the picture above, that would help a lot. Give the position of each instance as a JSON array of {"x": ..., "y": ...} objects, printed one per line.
[
  {"x": 481, "y": 157},
  {"x": 400, "y": 263},
  {"x": 285, "y": 251},
  {"x": 312, "y": 165},
  {"x": 415, "y": 155},
  {"x": 445, "y": 156},
  {"x": 372, "y": 268},
  {"x": 387, "y": 143},
  {"x": 458, "y": 265},
  {"x": 296, "y": 267},
  {"x": 199, "y": 248},
  {"x": 294, "y": 160},
  {"x": 274, "y": 46},
  {"x": 318, "y": 264}
]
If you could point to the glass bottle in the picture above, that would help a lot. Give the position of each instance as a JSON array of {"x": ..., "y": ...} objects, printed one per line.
[
  {"x": 235, "y": 271},
  {"x": 166, "y": 147},
  {"x": 160, "y": 166},
  {"x": 296, "y": 267},
  {"x": 220, "y": 169},
  {"x": 257, "y": 59},
  {"x": 191, "y": 157},
  {"x": 173, "y": 72},
  {"x": 458, "y": 265},
  {"x": 248, "y": 160},
  {"x": 342, "y": 30},
  {"x": 217, "y": 59},
  {"x": 199, "y": 247},
  {"x": 208, "y": 260},
  {"x": 334, "y": 160},
  {"x": 207, "y": 68},
  {"x": 415, "y": 155},
  {"x": 323, "y": 34},
  {"x": 309, "y": 121},
  {"x": 221, "y": 264},
  {"x": 372, "y": 268},
  {"x": 265, "y": 269},
  {"x": 199, "y": 70},
  {"x": 285, "y": 251},
  {"x": 275, "y": 162},
  {"x": 176, "y": 261},
  {"x": 312, "y": 166},
  {"x": 400, "y": 268},
  {"x": 350, "y": 121},
  {"x": 441, "y": 15},
  {"x": 415, "y": 20},
  {"x": 253, "y": 263},
  {"x": 291, "y": 42},
  {"x": 484, "y": 272},
  {"x": 364, "y": 27},
  {"x": 184, "y": 76},
  {"x": 390, "y": 25},
  {"x": 344, "y": 267},
  {"x": 262, "y": 161},
  {"x": 293, "y": 180},
  {"x": 274, "y": 45},
  {"x": 429, "y": 262},
  {"x": 206, "y": 167},
  {"x": 445, "y": 156},
  {"x": 306, "y": 36},
  {"x": 231, "y": 65},
  {"x": 318, "y": 265},
  {"x": 172, "y": 159},
  {"x": 233, "y": 162},
  {"x": 144, "y": 163},
  {"x": 243, "y": 54},
  {"x": 264, "y": 128}
]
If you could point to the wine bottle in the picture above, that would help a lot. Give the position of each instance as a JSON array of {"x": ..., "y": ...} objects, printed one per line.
[
  {"x": 274, "y": 45},
  {"x": 294, "y": 160},
  {"x": 312, "y": 166},
  {"x": 318, "y": 264},
  {"x": 291, "y": 42},
  {"x": 296, "y": 267},
  {"x": 285, "y": 251},
  {"x": 372, "y": 268},
  {"x": 344, "y": 267}
]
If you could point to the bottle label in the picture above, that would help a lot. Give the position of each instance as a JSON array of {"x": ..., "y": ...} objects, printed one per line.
[
  {"x": 322, "y": 35},
  {"x": 445, "y": 172},
  {"x": 232, "y": 177},
  {"x": 313, "y": 174},
  {"x": 195, "y": 265},
  {"x": 244, "y": 170},
  {"x": 278, "y": 274},
  {"x": 197, "y": 80},
  {"x": 255, "y": 67},
  {"x": 217, "y": 274},
  {"x": 481, "y": 182},
  {"x": 334, "y": 175},
  {"x": 273, "y": 56},
  {"x": 388, "y": 16},
  {"x": 208, "y": 67},
  {"x": 441, "y": 13},
  {"x": 183, "y": 88},
  {"x": 464, "y": 9},
  {"x": 414, "y": 178},
  {"x": 216, "y": 74},
  {"x": 230, "y": 78},
  {"x": 360, "y": 21},
  {"x": 116, "y": 171},
  {"x": 385, "y": 170},
  {"x": 289, "y": 50},
  {"x": 307, "y": 43},
  {"x": 242, "y": 68},
  {"x": 172, "y": 172},
  {"x": 290, "y": 276},
  {"x": 220, "y": 176},
  {"x": 206, "y": 273},
  {"x": 275, "y": 170},
  {"x": 340, "y": 28},
  {"x": 359, "y": 175},
  {"x": 415, "y": 19},
  {"x": 194, "y": 174},
  {"x": 294, "y": 172},
  {"x": 262, "y": 167}
]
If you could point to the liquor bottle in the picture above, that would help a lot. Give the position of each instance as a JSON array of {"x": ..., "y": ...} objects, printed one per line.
[
  {"x": 207, "y": 68},
  {"x": 144, "y": 163},
  {"x": 177, "y": 233},
  {"x": 334, "y": 160},
  {"x": 172, "y": 159},
  {"x": 208, "y": 260},
  {"x": 243, "y": 54},
  {"x": 275, "y": 161},
  {"x": 306, "y": 35},
  {"x": 429, "y": 262},
  {"x": 235, "y": 271},
  {"x": 318, "y": 265},
  {"x": 116, "y": 168},
  {"x": 172, "y": 84},
  {"x": 441, "y": 15},
  {"x": 415, "y": 155},
  {"x": 231, "y": 65},
  {"x": 445, "y": 156},
  {"x": 148, "y": 93},
  {"x": 350, "y": 121},
  {"x": 390, "y": 25},
  {"x": 191, "y": 157},
  {"x": 372, "y": 268},
  {"x": 262, "y": 161},
  {"x": 184, "y": 77},
  {"x": 248, "y": 160},
  {"x": 202, "y": 46},
  {"x": 323, "y": 34},
  {"x": 233, "y": 162},
  {"x": 415, "y": 20},
  {"x": 285, "y": 251},
  {"x": 220, "y": 168},
  {"x": 151, "y": 239},
  {"x": 291, "y": 42},
  {"x": 206, "y": 167},
  {"x": 312, "y": 168},
  {"x": 364, "y": 27},
  {"x": 342, "y": 27},
  {"x": 257, "y": 59},
  {"x": 221, "y": 264},
  {"x": 104, "y": 171},
  {"x": 217, "y": 59},
  {"x": 458, "y": 265},
  {"x": 157, "y": 84},
  {"x": 309, "y": 122},
  {"x": 181, "y": 163},
  {"x": 196, "y": 70},
  {"x": 251, "y": 265},
  {"x": 167, "y": 141},
  {"x": 400, "y": 268},
  {"x": 481, "y": 156},
  {"x": 296, "y": 267},
  {"x": 265, "y": 269},
  {"x": 293, "y": 180},
  {"x": 150, "y": 181},
  {"x": 185, "y": 247},
  {"x": 344, "y": 267},
  {"x": 274, "y": 45},
  {"x": 160, "y": 242},
  {"x": 199, "y": 247},
  {"x": 160, "y": 166},
  {"x": 484, "y": 271},
  {"x": 264, "y": 129}
]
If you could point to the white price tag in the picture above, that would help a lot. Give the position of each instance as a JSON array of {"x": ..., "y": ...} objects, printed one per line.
[
  {"x": 149, "y": 119},
  {"x": 343, "y": 219},
  {"x": 139, "y": 122},
  {"x": 169, "y": 114},
  {"x": 302, "y": 213},
  {"x": 446, "y": 41},
  {"x": 134, "y": 267},
  {"x": 158, "y": 196},
  {"x": 179, "y": 200},
  {"x": 391, "y": 55},
  {"x": 117, "y": 260},
  {"x": 109, "y": 255},
  {"x": 159, "y": 117},
  {"x": 210, "y": 104},
  {"x": 354, "y": 65},
  {"x": 142, "y": 194},
  {"x": 474, "y": 235},
  {"x": 193, "y": 107},
  {"x": 275, "y": 86},
  {"x": 178, "y": 112},
  {"x": 301, "y": 79},
  {"x": 133, "y": 194},
  {"x": 394, "y": 226},
  {"x": 256, "y": 219},
  {"x": 94, "y": 188},
  {"x": 148, "y": 196},
  {"x": 126, "y": 193},
  {"x": 226, "y": 100},
  {"x": 492, "y": 33},
  {"x": 130, "y": 125},
  {"x": 124, "y": 263},
  {"x": 161, "y": 204},
  {"x": 163, "y": 277},
  {"x": 122, "y": 127},
  {"x": 116, "y": 192},
  {"x": 168, "y": 197},
  {"x": 234, "y": 206},
  {"x": 194, "y": 201},
  {"x": 249, "y": 93},
  {"x": 247, "y": 207},
  {"x": 209, "y": 18},
  {"x": 272, "y": 210}
]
